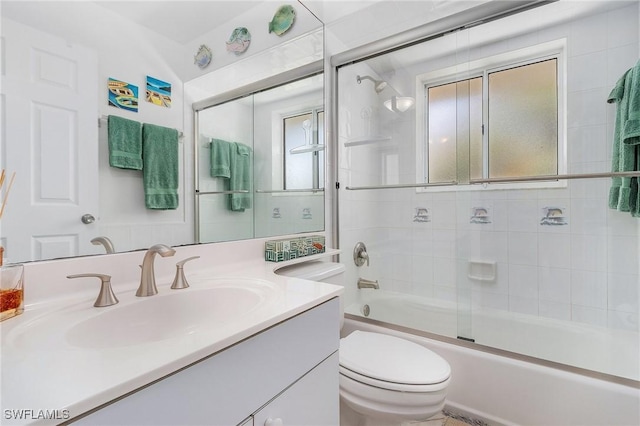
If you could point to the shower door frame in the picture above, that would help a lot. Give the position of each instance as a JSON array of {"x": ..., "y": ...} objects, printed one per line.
[{"x": 471, "y": 17}]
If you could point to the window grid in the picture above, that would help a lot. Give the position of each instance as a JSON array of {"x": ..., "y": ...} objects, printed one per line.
[{"x": 551, "y": 51}]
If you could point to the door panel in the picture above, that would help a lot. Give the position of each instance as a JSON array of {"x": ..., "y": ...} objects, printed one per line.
[{"x": 50, "y": 140}]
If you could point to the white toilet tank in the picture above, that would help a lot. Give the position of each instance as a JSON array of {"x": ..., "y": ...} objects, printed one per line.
[{"x": 316, "y": 270}]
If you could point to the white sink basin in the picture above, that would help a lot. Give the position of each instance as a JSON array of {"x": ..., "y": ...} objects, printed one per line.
[{"x": 206, "y": 305}]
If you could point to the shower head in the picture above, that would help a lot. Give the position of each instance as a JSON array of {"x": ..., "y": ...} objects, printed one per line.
[{"x": 379, "y": 85}]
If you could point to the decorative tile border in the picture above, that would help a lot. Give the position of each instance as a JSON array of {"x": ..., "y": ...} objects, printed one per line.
[
  {"x": 553, "y": 216},
  {"x": 281, "y": 250},
  {"x": 480, "y": 215},
  {"x": 421, "y": 215}
]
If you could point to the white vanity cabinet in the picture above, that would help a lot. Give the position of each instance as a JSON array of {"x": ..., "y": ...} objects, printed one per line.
[
  {"x": 303, "y": 403},
  {"x": 288, "y": 373}
]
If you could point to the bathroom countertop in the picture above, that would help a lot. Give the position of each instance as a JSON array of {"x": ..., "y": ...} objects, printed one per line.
[{"x": 42, "y": 378}]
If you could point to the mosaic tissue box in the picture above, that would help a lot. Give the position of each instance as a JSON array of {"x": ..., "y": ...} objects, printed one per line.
[{"x": 292, "y": 248}]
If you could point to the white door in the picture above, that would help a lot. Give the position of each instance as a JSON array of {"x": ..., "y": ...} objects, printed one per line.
[{"x": 50, "y": 139}]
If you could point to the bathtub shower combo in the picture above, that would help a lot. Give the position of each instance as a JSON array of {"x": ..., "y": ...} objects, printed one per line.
[{"x": 475, "y": 164}]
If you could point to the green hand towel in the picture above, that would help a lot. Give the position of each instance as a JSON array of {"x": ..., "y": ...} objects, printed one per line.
[
  {"x": 623, "y": 194},
  {"x": 240, "y": 179},
  {"x": 220, "y": 158},
  {"x": 160, "y": 167},
  {"x": 125, "y": 143},
  {"x": 630, "y": 135}
]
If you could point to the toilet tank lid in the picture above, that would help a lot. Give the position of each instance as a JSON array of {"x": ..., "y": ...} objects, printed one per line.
[
  {"x": 314, "y": 270},
  {"x": 392, "y": 359}
]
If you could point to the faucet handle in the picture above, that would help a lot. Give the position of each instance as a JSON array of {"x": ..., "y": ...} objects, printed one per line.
[
  {"x": 360, "y": 255},
  {"x": 180, "y": 281},
  {"x": 106, "y": 297}
]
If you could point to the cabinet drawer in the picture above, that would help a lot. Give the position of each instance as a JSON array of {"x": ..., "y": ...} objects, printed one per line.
[
  {"x": 225, "y": 388},
  {"x": 311, "y": 401}
]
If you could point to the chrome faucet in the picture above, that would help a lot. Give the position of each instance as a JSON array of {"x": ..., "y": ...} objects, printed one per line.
[
  {"x": 106, "y": 242},
  {"x": 147, "y": 278}
]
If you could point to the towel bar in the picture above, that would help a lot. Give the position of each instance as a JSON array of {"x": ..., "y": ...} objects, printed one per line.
[
  {"x": 104, "y": 119},
  {"x": 240, "y": 191},
  {"x": 276, "y": 191},
  {"x": 556, "y": 177}
]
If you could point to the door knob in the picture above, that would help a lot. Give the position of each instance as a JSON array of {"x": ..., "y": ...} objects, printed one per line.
[{"x": 87, "y": 218}]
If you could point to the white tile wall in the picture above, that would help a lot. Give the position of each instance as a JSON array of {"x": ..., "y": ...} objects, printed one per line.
[{"x": 554, "y": 284}]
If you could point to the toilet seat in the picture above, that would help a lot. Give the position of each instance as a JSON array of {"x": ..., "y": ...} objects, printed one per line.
[{"x": 392, "y": 363}]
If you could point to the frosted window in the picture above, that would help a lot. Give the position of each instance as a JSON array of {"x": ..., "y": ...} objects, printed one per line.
[
  {"x": 442, "y": 133},
  {"x": 304, "y": 170},
  {"x": 298, "y": 167},
  {"x": 475, "y": 126},
  {"x": 523, "y": 121},
  {"x": 455, "y": 131}
]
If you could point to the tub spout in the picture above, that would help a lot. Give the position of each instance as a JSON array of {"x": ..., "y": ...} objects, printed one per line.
[{"x": 364, "y": 283}]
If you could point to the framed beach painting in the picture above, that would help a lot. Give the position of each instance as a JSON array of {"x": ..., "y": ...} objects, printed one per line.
[
  {"x": 158, "y": 92},
  {"x": 123, "y": 95}
]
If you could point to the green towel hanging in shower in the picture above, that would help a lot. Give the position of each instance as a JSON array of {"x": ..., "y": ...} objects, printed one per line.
[{"x": 623, "y": 194}]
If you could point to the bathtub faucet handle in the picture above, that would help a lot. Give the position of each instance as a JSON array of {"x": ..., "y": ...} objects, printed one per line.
[{"x": 360, "y": 254}]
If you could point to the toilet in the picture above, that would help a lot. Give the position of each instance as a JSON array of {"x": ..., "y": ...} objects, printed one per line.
[{"x": 384, "y": 380}]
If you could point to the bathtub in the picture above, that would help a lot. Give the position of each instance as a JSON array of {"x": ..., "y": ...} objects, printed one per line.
[{"x": 505, "y": 388}]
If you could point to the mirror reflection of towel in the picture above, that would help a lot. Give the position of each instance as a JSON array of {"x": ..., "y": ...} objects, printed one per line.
[
  {"x": 240, "y": 180},
  {"x": 220, "y": 158},
  {"x": 232, "y": 161}
]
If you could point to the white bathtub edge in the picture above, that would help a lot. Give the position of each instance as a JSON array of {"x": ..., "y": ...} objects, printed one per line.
[{"x": 506, "y": 391}]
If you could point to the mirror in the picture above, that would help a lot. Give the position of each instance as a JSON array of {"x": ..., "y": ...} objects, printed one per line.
[
  {"x": 65, "y": 194},
  {"x": 280, "y": 132}
]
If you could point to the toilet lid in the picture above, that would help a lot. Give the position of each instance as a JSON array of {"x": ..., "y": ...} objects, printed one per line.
[{"x": 392, "y": 359}]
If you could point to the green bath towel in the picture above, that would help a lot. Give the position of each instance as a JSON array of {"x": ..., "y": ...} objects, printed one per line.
[
  {"x": 623, "y": 194},
  {"x": 220, "y": 158},
  {"x": 125, "y": 143},
  {"x": 240, "y": 180},
  {"x": 160, "y": 167}
]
